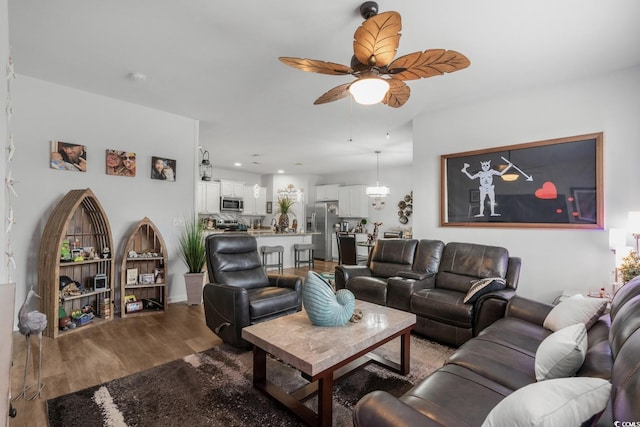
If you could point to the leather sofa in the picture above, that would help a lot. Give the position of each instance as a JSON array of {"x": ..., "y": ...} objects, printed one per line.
[
  {"x": 501, "y": 359},
  {"x": 369, "y": 282},
  {"x": 433, "y": 282},
  {"x": 240, "y": 292}
]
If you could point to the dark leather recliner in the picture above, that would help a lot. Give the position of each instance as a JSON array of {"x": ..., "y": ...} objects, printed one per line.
[
  {"x": 240, "y": 292},
  {"x": 441, "y": 312},
  {"x": 369, "y": 282}
]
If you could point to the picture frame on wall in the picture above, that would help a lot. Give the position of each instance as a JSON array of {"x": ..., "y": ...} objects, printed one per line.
[
  {"x": 556, "y": 183},
  {"x": 163, "y": 169},
  {"x": 68, "y": 156},
  {"x": 120, "y": 163},
  {"x": 269, "y": 207}
]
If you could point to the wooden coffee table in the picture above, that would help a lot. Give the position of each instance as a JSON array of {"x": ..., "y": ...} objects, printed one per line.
[{"x": 324, "y": 354}]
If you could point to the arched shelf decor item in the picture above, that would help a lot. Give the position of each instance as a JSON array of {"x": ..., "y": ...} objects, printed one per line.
[
  {"x": 76, "y": 246},
  {"x": 143, "y": 280}
]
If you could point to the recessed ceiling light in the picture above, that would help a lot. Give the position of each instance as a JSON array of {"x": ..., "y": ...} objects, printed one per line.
[
  {"x": 138, "y": 77},
  {"x": 238, "y": 164},
  {"x": 280, "y": 171}
]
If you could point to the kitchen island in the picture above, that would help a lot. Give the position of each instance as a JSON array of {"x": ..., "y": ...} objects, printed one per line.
[{"x": 269, "y": 238}]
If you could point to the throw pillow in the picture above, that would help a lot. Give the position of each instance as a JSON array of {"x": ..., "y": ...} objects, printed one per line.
[
  {"x": 562, "y": 353},
  {"x": 483, "y": 286},
  {"x": 576, "y": 309},
  {"x": 556, "y": 402}
]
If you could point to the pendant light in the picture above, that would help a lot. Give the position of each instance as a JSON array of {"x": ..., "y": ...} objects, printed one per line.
[
  {"x": 205, "y": 166},
  {"x": 378, "y": 191}
]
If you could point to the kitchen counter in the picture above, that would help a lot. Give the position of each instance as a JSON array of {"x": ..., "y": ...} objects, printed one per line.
[{"x": 266, "y": 237}]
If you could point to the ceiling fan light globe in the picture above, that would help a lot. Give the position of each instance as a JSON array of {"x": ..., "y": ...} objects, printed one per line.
[{"x": 369, "y": 91}]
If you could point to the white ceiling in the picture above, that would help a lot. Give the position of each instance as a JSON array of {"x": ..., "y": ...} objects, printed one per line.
[{"x": 217, "y": 62}]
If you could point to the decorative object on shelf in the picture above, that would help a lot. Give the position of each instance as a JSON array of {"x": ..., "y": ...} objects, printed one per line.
[
  {"x": 378, "y": 191},
  {"x": 374, "y": 46},
  {"x": 193, "y": 254},
  {"x": 163, "y": 169},
  {"x": 206, "y": 169},
  {"x": 100, "y": 282},
  {"x": 322, "y": 305},
  {"x": 132, "y": 276},
  {"x": 405, "y": 208},
  {"x": 376, "y": 227}
]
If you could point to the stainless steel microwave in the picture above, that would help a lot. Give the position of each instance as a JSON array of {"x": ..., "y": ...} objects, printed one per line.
[{"x": 231, "y": 204}]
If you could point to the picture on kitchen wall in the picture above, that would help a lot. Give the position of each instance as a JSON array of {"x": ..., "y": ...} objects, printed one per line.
[
  {"x": 546, "y": 184},
  {"x": 120, "y": 163},
  {"x": 68, "y": 157},
  {"x": 163, "y": 169}
]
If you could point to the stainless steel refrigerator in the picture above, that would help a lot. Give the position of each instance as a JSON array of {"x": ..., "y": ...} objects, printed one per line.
[{"x": 323, "y": 217}]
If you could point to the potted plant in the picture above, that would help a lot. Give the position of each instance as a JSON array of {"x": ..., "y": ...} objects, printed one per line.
[
  {"x": 284, "y": 208},
  {"x": 630, "y": 267},
  {"x": 192, "y": 252}
]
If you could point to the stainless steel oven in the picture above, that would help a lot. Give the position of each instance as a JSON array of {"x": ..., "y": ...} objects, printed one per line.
[{"x": 231, "y": 204}]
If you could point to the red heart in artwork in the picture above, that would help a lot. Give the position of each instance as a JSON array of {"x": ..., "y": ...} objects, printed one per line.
[{"x": 548, "y": 191}]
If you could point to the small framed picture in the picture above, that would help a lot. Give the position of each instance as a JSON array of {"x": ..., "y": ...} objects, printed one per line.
[
  {"x": 100, "y": 282},
  {"x": 146, "y": 279},
  {"x": 132, "y": 307},
  {"x": 66, "y": 156},
  {"x": 158, "y": 275},
  {"x": 120, "y": 163},
  {"x": 163, "y": 169},
  {"x": 269, "y": 207},
  {"x": 132, "y": 276}
]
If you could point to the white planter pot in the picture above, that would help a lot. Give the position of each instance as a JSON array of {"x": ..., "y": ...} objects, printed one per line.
[{"x": 194, "y": 283}]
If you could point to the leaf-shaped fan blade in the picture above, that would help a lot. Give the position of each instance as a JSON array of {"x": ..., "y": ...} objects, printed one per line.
[
  {"x": 334, "y": 94},
  {"x": 316, "y": 66},
  {"x": 397, "y": 94},
  {"x": 376, "y": 40},
  {"x": 431, "y": 62}
]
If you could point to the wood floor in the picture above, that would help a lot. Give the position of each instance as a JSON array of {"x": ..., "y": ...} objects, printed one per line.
[{"x": 113, "y": 350}]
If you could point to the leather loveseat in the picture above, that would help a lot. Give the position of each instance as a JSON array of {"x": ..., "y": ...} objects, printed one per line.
[
  {"x": 499, "y": 365},
  {"x": 435, "y": 284}
]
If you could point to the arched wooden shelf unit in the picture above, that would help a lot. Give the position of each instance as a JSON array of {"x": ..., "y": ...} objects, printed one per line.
[
  {"x": 79, "y": 219},
  {"x": 144, "y": 271}
]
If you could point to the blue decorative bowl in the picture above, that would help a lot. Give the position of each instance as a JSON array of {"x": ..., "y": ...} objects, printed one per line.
[{"x": 324, "y": 306}]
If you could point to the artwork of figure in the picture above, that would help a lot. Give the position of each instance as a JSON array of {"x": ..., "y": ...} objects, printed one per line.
[{"x": 486, "y": 184}]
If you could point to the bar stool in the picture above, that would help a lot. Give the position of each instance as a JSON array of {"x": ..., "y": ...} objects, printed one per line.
[
  {"x": 298, "y": 248},
  {"x": 266, "y": 250}
]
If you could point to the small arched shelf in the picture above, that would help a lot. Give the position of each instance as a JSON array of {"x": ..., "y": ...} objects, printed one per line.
[
  {"x": 79, "y": 222},
  {"x": 143, "y": 280}
]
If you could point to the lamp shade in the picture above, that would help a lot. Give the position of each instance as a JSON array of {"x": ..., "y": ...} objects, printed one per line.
[
  {"x": 369, "y": 91},
  {"x": 634, "y": 222},
  {"x": 617, "y": 238},
  {"x": 378, "y": 191}
]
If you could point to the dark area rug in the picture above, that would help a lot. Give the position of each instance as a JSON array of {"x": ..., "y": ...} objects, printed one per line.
[{"x": 214, "y": 388}]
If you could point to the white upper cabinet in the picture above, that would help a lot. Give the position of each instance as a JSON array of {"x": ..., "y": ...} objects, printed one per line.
[
  {"x": 327, "y": 192},
  {"x": 353, "y": 201},
  {"x": 208, "y": 197},
  {"x": 254, "y": 205},
  {"x": 231, "y": 188}
]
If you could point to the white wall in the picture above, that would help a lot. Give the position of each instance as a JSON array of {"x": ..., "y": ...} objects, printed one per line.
[
  {"x": 44, "y": 112},
  {"x": 553, "y": 260},
  {"x": 397, "y": 179}
]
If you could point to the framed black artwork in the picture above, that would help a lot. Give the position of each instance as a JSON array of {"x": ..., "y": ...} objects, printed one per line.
[{"x": 555, "y": 183}]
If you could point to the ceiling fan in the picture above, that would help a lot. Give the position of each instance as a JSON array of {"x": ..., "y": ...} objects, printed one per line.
[{"x": 380, "y": 78}]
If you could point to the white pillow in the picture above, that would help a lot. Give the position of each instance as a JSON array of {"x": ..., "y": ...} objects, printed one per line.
[
  {"x": 576, "y": 309},
  {"x": 552, "y": 403},
  {"x": 562, "y": 353}
]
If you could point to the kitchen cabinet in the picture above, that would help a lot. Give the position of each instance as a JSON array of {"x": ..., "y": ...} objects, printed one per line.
[
  {"x": 353, "y": 201},
  {"x": 327, "y": 192},
  {"x": 208, "y": 198},
  {"x": 254, "y": 205},
  {"x": 231, "y": 188}
]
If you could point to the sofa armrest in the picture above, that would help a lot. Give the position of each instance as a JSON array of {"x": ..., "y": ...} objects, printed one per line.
[
  {"x": 408, "y": 274},
  {"x": 527, "y": 309},
  {"x": 381, "y": 409},
  {"x": 491, "y": 307},
  {"x": 400, "y": 289},
  {"x": 344, "y": 272},
  {"x": 285, "y": 281}
]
